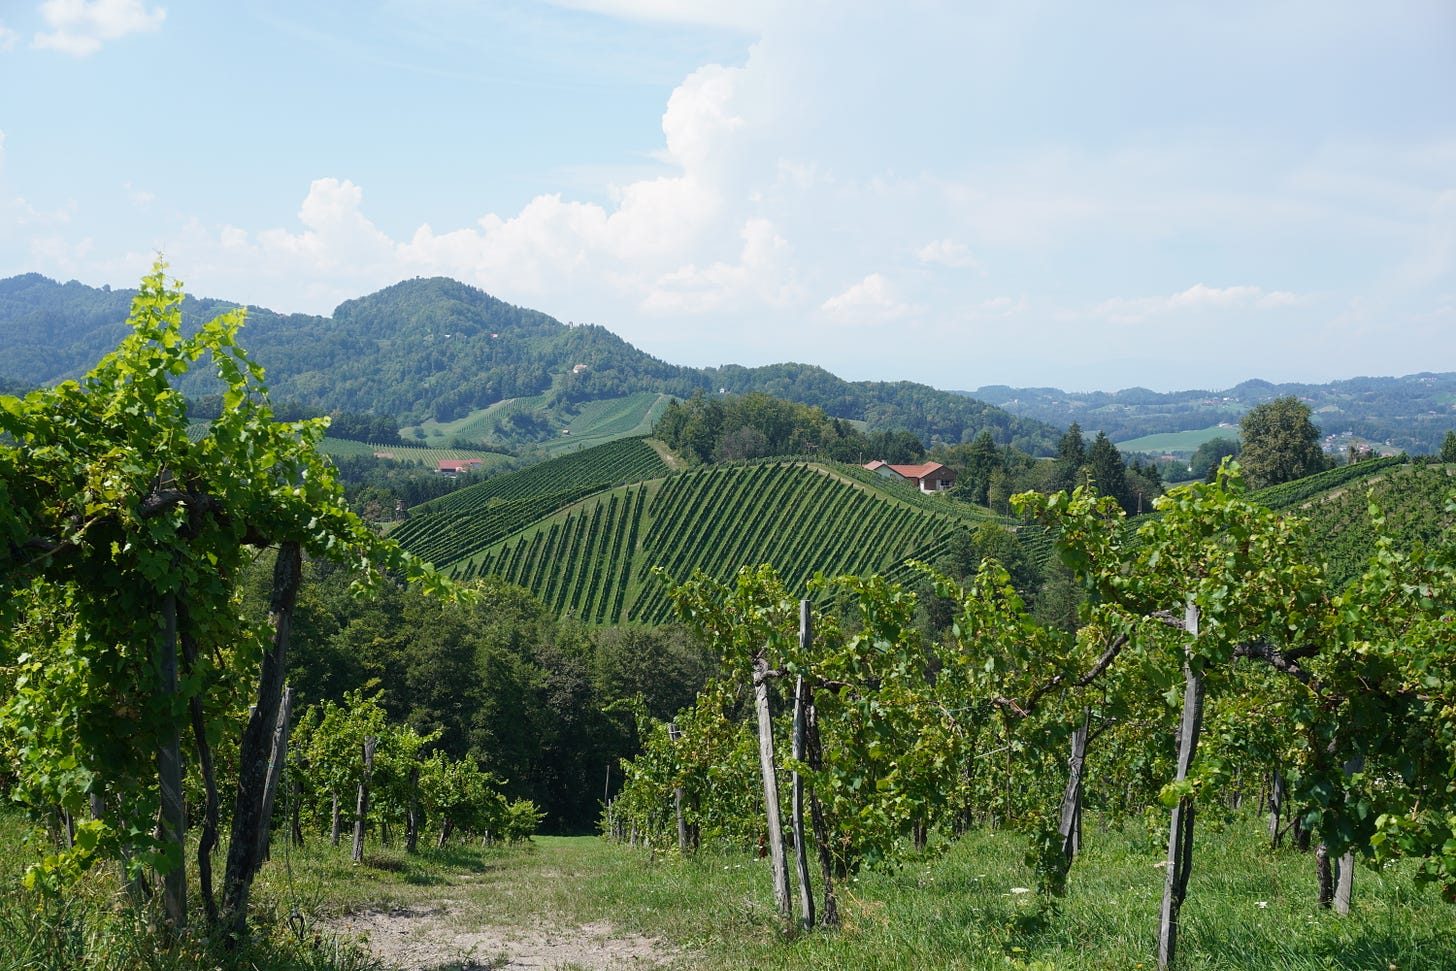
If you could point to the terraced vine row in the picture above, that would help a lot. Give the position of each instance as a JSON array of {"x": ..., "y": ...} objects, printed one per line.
[
  {"x": 1413, "y": 499},
  {"x": 1287, "y": 494},
  {"x": 615, "y": 463},
  {"x": 596, "y": 561},
  {"x": 579, "y": 565},
  {"x": 446, "y": 538},
  {"x": 452, "y": 529},
  {"x": 795, "y": 516}
]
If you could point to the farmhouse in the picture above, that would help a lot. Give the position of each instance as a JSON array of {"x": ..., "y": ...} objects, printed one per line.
[
  {"x": 929, "y": 477},
  {"x": 453, "y": 467}
]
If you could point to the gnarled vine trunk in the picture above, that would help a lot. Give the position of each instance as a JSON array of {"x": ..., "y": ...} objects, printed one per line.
[{"x": 250, "y": 824}]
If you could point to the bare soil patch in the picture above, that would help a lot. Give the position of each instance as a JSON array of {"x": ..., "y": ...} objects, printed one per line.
[{"x": 440, "y": 937}]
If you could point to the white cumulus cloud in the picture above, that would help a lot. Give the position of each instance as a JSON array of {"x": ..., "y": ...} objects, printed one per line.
[
  {"x": 872, "y": 299},
  {"x": 759, "y": 273},
  {"x": 81, "y": 27}
]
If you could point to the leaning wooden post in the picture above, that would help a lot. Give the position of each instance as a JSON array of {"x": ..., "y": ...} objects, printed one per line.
[
  {"x": 769, "y": 769},
  {"x": 801, "y": 701},
  {"x": 1180, "y": 830},
  {"x": 277, "y": 761}
]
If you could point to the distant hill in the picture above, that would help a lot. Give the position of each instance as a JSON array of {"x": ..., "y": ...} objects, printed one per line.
[
  {"x": 1410, "y": 414},
  {"x": 585, "y": 531},
  {"x": 435, "y": 350}
]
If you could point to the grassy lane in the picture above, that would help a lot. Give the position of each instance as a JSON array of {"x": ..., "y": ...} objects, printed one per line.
[
  {"x": 965, "y": 909},
  {"x": 579, "y": 903}
]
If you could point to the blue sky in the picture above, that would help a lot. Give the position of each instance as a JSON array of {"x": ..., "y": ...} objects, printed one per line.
[{"x": 1089, "y": 196}]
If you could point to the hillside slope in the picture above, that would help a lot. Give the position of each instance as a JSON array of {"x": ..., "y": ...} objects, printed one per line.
[{"x": 592, "y": 552}]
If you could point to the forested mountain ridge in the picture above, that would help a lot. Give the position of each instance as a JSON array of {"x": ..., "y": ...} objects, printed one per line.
[
  {"x": 436, "y": 349},
  {"x": 1411, "y": 413}
]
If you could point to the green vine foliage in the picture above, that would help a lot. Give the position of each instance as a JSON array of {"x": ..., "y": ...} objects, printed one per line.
[
  {"x": 1349, "y": 695},
  {"x": 113, "y": 518}
]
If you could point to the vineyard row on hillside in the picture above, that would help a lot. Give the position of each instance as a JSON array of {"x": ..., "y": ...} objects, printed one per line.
[{"x": 597, "y": 561}]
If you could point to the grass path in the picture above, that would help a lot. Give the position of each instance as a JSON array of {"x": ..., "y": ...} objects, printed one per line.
[{"x": 579, "y": 903}]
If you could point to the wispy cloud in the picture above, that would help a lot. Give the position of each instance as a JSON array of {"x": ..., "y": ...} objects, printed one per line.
[
  {"x": 1134, "y": 310},
  {"x": 81, "y": 27}
]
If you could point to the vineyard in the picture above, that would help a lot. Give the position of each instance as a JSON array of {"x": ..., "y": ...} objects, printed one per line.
[
  {"x": 590, "y": 423},
  {"x": 1412, "y": 499},
  {"x": 416, "y": 454},
  {"x": 1218, "y": 674},
  {"x": 607, "y": 419},
  {"x": 596, "y": 560},
  {"x": 457, "y": 526},
  {"x": 616, "y": 463}
]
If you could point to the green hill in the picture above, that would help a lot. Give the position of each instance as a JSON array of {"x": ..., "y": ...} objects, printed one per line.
[
  {"x": 585, "y": 531},
  {"x": 589, "y": 550},
  {"x": 1410, "y": 413},
  {"x": 456, "y": 363}
]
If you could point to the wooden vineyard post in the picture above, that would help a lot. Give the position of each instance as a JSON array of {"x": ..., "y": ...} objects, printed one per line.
[
  {"x": 173, "y": 816},
  {"x": 1276, "y": 809},
  {"x": 362, "y": 805},
  {"x": 412, "y": 820},
  {"x": 1345, "y": 868},
  {"x": 815, "y": 758},
  {"x": 1180, "y": 830},
  {"x": 801, "y": 702},
  {"x": 277, "y": 760},
  {"x": 767, "y": 766},
  {"x": 675, "y": 733},
  {"x": 1071, "y": 821}
]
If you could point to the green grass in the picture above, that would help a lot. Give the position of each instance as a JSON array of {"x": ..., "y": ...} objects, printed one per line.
[
  {"x": 96, "y": 927},
  {"x": 961, "y": 911},
  {"x": 417, "y": 454},
  {"x": 1184, "y": 442},
  {"x": 609, "y": 419},
  {"x": 1247, "y": 908},
  {"x": 593, "y": 423}
]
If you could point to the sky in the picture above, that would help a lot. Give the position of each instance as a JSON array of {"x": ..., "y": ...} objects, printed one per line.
[{"x": 1089, "y": 196}]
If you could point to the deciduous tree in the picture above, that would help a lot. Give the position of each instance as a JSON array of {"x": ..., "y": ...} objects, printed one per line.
[{"x": 1280, "y": 443}]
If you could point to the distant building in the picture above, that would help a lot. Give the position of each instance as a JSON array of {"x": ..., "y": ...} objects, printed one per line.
[
  {"x": 929, "y": 477},
  {"x": 453, "y": 467}
]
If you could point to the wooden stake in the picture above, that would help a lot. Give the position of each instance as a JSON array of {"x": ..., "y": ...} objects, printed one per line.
[
  {"x": 801, "y": 849},
  {"x": 169, "y": 777},
  {"x": 769, "y": 769},
  {"x": 1180, "y": 829}
]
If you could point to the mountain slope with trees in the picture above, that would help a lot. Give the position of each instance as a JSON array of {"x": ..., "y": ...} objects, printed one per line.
[{"x": 438, "y": 350}]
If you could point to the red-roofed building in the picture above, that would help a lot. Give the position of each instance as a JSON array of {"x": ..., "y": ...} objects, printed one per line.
[
  {"x": 453, "y": 467},
  {"x": 929, "y": 477}
]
